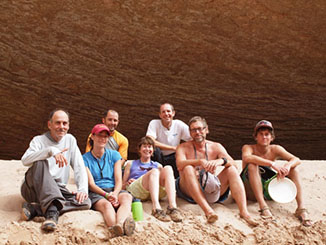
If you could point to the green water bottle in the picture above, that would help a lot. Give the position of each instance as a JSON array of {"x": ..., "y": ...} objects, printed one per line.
[{"x": 137, "y": 210}]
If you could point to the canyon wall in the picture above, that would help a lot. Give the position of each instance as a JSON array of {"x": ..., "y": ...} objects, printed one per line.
[{"x": 232, "y": 62}]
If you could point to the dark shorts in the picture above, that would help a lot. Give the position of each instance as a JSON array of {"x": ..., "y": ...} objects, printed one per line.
[
  {"x": 266, "y": 174},
  {"x": 189, "y": 199},
  {"x": 96, "y": 197}
]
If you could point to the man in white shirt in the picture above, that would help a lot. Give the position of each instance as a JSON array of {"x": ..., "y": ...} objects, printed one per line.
[
  {"x": 167, "y": 135},
  {"x": 49, "y": 158}
]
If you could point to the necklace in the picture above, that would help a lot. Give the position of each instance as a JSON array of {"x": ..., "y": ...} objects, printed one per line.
[{"x": 98, "y": 159}]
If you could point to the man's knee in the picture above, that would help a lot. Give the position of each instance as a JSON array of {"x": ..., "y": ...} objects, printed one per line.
[{"x": 252, "y": 167}]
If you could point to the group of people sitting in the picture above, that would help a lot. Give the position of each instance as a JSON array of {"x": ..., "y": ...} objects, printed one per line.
[{"x": 107, "y": 181}]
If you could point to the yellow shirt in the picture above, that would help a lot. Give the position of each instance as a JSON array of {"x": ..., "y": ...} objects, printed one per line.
[{"x": 121, "y": 140}]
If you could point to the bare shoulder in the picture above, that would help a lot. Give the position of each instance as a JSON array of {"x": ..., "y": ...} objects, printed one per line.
[
  {"x": 248, "y": 147},
  {"x": 215, "y": 146},
  {"x": 185, "y": 145},
  {"x": 276, "y": 148}
]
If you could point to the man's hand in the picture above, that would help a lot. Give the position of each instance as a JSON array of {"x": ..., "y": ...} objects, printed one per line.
[
  {"x": 81, "y": 197},
  {"x": 282, "y": 171},
  {"x": 210, "y": 166},
  {"x": 60, "y": 159}
]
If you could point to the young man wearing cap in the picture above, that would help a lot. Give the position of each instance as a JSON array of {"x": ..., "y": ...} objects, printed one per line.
[
  {"x": 49, "y": 158},
  {"x": 116, "y": 140},
  {"x": 167, "y": 134},
  {"x": 200, "y": 153},
  {"x": 105, "y": 182},
  {"x": 263, "y": 154}
]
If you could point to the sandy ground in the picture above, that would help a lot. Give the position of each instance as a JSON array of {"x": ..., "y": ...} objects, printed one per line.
[{"x": 87, "y": 227}]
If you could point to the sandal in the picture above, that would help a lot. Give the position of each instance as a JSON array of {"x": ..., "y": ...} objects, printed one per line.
[
  {"x": 301, "y": 214},
  {"x": 268, "y": 216},
  {"x": 211, "y": 217},
  {"x": 161, "y": 215}
]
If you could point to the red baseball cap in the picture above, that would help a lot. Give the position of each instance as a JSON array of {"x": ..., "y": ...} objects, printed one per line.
[
  {"x": 263, "y": 123},
  {"x": 98, "y": 128}
]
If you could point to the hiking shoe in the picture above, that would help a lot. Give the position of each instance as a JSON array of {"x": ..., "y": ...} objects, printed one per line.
[
  {"x": 129, "y": 226},
  {"x": 117, "y": 230},
  {"x": 51, "y": 221},
  {"x": 160, "y": 215},
  {"x": 28, "y": 211},
  {"x": 175, "y": 214}
]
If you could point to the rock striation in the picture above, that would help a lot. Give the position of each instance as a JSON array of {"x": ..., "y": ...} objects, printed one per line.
[{"x": 233, "y": 62}]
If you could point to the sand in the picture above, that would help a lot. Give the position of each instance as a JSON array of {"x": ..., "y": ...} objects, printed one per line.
[{"x": 87, "y": 227}]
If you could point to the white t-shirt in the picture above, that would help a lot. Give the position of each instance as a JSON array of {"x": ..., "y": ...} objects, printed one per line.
[{"x": 177, "y": 132}]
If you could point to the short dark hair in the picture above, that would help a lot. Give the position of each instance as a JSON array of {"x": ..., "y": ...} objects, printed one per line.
[
  {"x": 55, "y": 110},
  {"x": 107, "y": 111},
  {"x": 146, "y": 140},
  {"x": 264, "y": 128},
  {"x": 166, "y": 103},
  {"x": 197, "y": 119}
]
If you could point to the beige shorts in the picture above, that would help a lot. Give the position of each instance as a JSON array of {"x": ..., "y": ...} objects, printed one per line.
[{"x": 138, "y": 191}]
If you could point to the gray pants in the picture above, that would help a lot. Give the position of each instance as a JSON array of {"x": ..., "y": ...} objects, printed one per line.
[{"x": 40, "y": 187}]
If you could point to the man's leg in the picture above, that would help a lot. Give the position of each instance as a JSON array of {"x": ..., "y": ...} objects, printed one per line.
[
  {"x": 40, "y": 187},
  {"x": 190, "y": 186},
  {"x": 157, "y": 155},
  {"x": 230, "y": 177},
  {"x": 71, "y": 204},
  {"x": 170, "y": 160},
  {"x": 257, "y": 188},
  {"x": 301, "y": 212}
]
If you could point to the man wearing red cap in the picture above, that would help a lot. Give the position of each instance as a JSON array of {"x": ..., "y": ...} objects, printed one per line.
[
  {"x": 116, "y": 140},
  {"x": 263, "y": 155}
]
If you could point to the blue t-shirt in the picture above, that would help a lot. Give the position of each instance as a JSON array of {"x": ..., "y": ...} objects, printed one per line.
[{"x": 102, "y": 169}]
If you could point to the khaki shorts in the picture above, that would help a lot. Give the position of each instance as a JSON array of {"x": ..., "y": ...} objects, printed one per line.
[{"x": 138, "y": 191}]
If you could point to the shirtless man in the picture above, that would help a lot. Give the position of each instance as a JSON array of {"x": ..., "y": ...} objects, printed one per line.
[
  {"x": 264, "y": 154},
  {"x": 200, "y": 153}
]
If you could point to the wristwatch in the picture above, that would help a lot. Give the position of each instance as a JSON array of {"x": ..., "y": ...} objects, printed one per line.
[{"x": 225, "y": 161}]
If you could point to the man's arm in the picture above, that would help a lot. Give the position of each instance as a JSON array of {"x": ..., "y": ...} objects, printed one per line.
[
  {"x": 182, "y": 160},
  {"x": 249, "y": 157},
  {"x": 123, "y": 147},
  {"x": 163, "y": 146},
  {"x": 78, "y": 165},
  {"x": 35, "y": 152},
  {"x": 292, "y": 161}
]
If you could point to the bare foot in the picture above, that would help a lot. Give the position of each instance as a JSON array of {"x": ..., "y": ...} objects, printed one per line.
[{"x": 250, "y": 221}]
